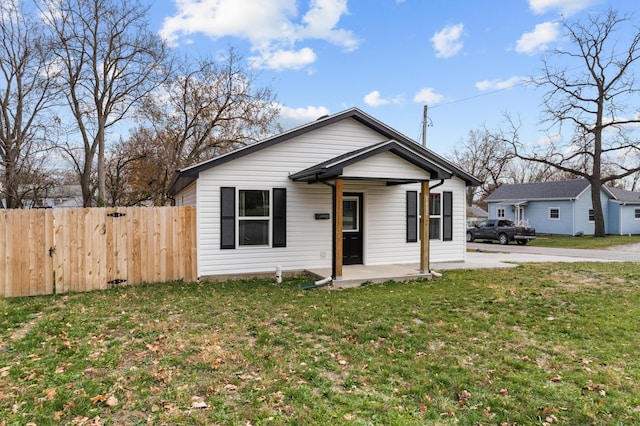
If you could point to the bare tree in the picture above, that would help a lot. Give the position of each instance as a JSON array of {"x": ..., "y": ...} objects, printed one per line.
[
  {"x": 109, "y": 61},
  {"x": 26, "y": 92},
  {"x": 134, "y": 170},
  {"x": 209, "y": 108},
  {"x": 483, "y": 155},
  {"x": 590, "y": 93}
]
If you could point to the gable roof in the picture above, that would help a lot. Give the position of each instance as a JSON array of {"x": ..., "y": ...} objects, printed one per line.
[
  {"x": 333, "y": 167},
  {"x": 624, "y": 196},
  {"x": 556, "y": 190},
  {"x": 187, "y": 175}
]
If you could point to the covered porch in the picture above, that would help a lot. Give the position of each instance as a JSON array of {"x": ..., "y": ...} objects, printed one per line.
[{"x": 393, "y": 165}]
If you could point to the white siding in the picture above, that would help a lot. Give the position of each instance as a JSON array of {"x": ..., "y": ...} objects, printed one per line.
[
  {"x": 385, "y": 224},
  {"x": 384, "y": 165},
  {"x": 187, "y": 197},
  {"x": 309, "y": 241}
]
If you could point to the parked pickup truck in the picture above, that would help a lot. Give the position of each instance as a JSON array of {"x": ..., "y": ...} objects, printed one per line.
[{"x": 502, "y": 230}]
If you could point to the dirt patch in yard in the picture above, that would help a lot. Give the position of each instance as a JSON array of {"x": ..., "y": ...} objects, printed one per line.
[{"x": 26, "y": 328}]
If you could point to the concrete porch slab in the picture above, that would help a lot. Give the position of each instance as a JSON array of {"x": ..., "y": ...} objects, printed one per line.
[{"x": 356, "y": 275}]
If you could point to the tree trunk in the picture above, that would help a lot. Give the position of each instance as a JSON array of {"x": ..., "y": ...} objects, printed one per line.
[
  {"x": 85, "y": 181},
  {"x": 599, "y": 228},
  {"x": 10, "y": 190}
]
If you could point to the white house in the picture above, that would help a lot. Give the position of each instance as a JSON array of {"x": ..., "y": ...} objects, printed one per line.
[{"x": 343, "y": 190}]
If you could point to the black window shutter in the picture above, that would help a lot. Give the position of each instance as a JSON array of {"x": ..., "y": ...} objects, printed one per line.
[
  {"x": 447, "y": 216},
  {"x": 279, "y": 217},
  {"x": 227, "y": 218},
  {"x": 412, "y": 216}
]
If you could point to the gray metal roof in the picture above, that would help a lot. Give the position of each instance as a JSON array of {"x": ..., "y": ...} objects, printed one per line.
[{"x": 557, "y": 190}]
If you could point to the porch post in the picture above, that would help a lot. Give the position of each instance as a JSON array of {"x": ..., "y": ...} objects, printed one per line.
[
  {"x": 337, "y": 226},
  {"x": 424, "y": 228}
]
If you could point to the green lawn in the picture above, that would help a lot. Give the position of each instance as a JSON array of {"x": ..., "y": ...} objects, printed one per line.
[
  {"x": 584, "y": 242},
  {"x": 542, "y": 343}
]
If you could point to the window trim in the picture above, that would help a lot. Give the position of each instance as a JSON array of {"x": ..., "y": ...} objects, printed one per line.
[
  {"x": 550, "y": 210},
  {"x": 268, "y": 218},
  {"x": 636, "y": 213},
  {"x": 503, "y": 211},
  {"x": 434, "y": 217},
  {"x": 357, "y": 213},
  {"x": 591, "y": 217},
  {"x": 230, "y": 219}
]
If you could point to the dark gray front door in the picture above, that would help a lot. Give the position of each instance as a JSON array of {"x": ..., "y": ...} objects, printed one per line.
[{"x": 352, "y": 229}]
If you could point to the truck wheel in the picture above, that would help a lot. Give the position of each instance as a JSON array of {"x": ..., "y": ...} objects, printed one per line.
[
  {"x": 470, "y": 237},
  {"x": 503, "y": 238},
  {"x": 522, "y": 242}
]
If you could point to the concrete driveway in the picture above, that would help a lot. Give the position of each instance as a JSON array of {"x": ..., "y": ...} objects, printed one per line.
[{"x": 487, "y": 255}]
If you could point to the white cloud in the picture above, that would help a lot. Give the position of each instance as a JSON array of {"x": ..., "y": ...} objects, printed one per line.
[
  {"x": 566, "y": 7},
  {"x": 373, "y": 99},
  {"x": 427, "y": 96},
  {"x": 501, "y": 84},
  {"x": 538, "y": 40},
  {"x": 447, "y": 42},
  {"x": 293, "y": 117},
  {"x": 274, "y": 28},
  {"x": 284, "y": 59}
]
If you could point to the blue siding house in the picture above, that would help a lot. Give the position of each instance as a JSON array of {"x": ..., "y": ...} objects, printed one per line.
[
  {"x": 564, "y": 207},
  {"x": 624, "y": 212}
]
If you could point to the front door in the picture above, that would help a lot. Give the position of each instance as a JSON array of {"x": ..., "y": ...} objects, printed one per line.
[
  {"x": 519, "y": 214},
  {"x": 352, "y": 229}
]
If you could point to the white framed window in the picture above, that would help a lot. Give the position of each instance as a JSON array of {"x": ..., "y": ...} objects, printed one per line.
[
  {"x": 434, "y": 216},
  {"x": 554, "y": 213},
  {"x": 254, "y": 217},
  {"x": 636, "y": 214},
  {"x": 501, "y": 212},
  {"x": 351, "y": 214},
  {"x": 592, "y": 216}
]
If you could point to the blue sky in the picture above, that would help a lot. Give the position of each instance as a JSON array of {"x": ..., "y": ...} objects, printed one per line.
[{"x": 466, "y": 59}]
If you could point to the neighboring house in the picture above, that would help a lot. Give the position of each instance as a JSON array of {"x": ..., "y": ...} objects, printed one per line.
[
  {"x": 475, "y": 214},
  {"x": 624, "y": 212},
  {"x": 278, "y": 202},
  {"x": 565, "y": 207},
  {"x": 55, "y": 197}
]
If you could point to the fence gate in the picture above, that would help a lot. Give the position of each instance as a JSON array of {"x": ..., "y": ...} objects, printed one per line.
[{"x": 26, "y": 266}]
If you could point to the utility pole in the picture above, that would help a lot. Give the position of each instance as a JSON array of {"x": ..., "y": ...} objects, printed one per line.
[{"x": 424, "y": 125}]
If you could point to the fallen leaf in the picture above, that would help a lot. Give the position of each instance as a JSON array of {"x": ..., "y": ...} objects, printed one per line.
[
  {"x": 199, "y": 404},
  {"x": 50, "y": 393},
  {"x": 111, "y": 401},
  {"x": 98, "y": 398},
  {"x": 551, "y": 419},
  {"x": 154, "y": 347},
  {"x": 464, "y": 396}
]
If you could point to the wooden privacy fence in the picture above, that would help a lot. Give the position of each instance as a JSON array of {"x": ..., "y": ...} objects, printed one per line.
[{"x": 48, "y": 251}]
